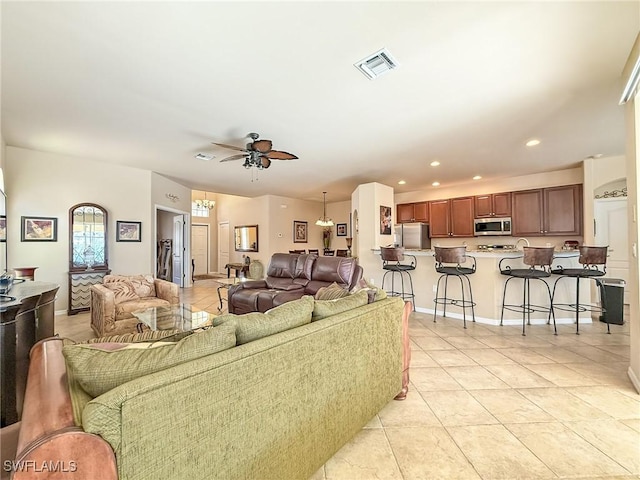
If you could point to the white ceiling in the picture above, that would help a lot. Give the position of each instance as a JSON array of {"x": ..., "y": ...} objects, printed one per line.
[{"x": 151, "y": 84}]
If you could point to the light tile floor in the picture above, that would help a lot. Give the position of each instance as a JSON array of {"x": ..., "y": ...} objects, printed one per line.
[{"x": 488, "y": 403}]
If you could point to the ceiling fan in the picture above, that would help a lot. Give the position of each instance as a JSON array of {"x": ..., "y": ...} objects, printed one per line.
[{"x": 257, "y": 154}]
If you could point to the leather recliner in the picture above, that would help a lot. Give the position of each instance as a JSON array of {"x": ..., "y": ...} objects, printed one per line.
[{"x": 289, "y": 277}]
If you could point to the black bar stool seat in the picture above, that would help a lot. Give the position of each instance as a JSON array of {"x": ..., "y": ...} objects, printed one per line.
[
  {"x": 539, "y": 260},
  {"x": 392, "y": 258},
  {"x": 594, "y": 265},
  {"x": 449, "y": 262}
]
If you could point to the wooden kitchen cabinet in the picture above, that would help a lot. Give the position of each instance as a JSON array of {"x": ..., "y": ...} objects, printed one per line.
[
  {"x": 493, "y": 205},
  {"x": 547, "y": 211},
  {"x": 563, "y": 210},
  {"x": 451, "y": 218},
  {"x": 412, "y": 212}
]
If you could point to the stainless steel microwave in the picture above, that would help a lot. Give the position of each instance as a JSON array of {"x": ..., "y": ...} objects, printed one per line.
[{"x": 492, "y": 226}]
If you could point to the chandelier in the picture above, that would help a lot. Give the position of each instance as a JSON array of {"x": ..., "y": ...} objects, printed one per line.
[
  {"x": 205, "y": 203},
  {"x": 324, "y": 221}
]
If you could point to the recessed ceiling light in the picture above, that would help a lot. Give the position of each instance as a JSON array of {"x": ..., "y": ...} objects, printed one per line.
[
  {"x": 436, "y": 184},
  {"x": 435, "y": 163},
  {"x": 477, "y": 177},
  {"x": 533, "y": 142},
  {"x": 205, "y": 156},
  {"x": 402, "y": 182}
]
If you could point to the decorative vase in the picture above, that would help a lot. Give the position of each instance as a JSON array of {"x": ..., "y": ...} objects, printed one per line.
[
  {"x": 326, "y": 238},
  {"x": 256, "y": 270}
]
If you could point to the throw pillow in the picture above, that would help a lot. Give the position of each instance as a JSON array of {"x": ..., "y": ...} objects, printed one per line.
[
  {"x": 332, "y": 292},
  {"x": 122, "y": 291},
  {"x": 375, "y": 293},
  {"x": 143, "y": 285},
  {"x": 100, "y": 367},
  {"x": 327, "y": 308},
  {"x": 252, "y": 326}
]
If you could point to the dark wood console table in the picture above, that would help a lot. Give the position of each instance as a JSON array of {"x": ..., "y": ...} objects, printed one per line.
[{"x": 238, "y": 267}]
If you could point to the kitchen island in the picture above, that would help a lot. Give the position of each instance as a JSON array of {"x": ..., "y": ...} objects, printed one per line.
[{"x": 487, "y": 286}]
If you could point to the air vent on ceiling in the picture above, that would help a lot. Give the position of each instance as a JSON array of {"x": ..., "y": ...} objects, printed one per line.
[
  {"x": 205, "y": 157},
  {"x": 377, "y": 64}
]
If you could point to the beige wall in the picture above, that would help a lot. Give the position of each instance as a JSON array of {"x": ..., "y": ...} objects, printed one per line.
[
  {"x": 510, "y": 184},
  {"x": 45, "y": 184},
  {"x": 632, "y": 115},
  {"x": 274, "y": 216}
]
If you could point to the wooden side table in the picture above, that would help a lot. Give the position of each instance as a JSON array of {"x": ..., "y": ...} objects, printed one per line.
[
  {"x": 238, "y": 267},
  {"x": 28, "y": 273}
]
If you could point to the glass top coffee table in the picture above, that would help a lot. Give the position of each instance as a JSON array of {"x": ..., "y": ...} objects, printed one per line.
[{"x": 181, "y": 317}]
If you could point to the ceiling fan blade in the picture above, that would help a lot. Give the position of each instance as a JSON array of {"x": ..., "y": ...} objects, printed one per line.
[
  {"x": 278, "y": 155},
  {"x": 262, "y": 146},
  {"x": 229, "y": 146},
  {"x": 234, "y": 157},
  {"x": 264, "y": 160}
]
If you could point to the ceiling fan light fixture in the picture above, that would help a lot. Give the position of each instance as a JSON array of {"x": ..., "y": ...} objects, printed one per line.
[{"x": 324, "y": 221}]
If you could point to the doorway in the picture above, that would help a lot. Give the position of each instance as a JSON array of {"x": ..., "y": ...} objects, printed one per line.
[
  {"x": 223, "y": 245},
  {"x": 200, "y": 249},
  {"x": 611, "y": 228}
]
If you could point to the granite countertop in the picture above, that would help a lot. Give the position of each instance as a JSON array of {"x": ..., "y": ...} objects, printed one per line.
[
  {"x": 489, "y": 253},
  {"x": 22, "y": 290}
]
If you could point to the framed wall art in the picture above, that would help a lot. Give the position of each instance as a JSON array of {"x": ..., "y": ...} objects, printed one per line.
[
  {"x": 299, "y": 232},
  {"x": 385, "y": 220},
  {"x": 3, "y": 228},
  {"x": 128, "y": 231},
  {"x": 38, "y": 229},
  {"x": 341, "y": 229}
]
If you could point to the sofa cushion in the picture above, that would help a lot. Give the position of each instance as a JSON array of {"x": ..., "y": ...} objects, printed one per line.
[
  {"x": 122, "y": 291},
  {"x": 375, "y": 293},
  {"x": 100, "y": 367},
  {"x": 255, "y": 325},
  {"x": 327, "y": 308},
  {"x": 282, "y": 283},
  {"x": 282, "y": 265},
  {"x": 332, "y": 292},
  {"x": 143, "y": 285}
]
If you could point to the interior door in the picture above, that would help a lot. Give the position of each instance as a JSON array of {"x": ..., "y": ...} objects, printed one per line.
[
  {"x": 200, "y": 249},
  {"x": 611, "y": 229},
  {"x": 178, "y": 250},
  {"x": 223, "y": 245}
]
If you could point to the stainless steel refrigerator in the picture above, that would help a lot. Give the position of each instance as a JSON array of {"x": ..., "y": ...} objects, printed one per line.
[{"x": 413, "y": 236}]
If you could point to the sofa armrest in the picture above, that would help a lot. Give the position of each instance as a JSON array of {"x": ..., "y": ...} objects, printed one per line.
[
  {"x": 103, "y": 310},
  {"x": 47, "y": 432},
  {"x": 168, "y": 291}
]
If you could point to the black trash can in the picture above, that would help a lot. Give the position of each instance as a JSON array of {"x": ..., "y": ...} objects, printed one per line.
[{"x": 612, "y": 298}]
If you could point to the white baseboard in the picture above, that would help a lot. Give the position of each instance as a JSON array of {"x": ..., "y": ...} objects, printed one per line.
[
  {"x": 634, "y": 379},
  {"x": 496, "y": 321}
]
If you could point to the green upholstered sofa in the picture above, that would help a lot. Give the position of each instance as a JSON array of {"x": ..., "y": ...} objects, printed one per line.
[{"x": 274, "y": 408}]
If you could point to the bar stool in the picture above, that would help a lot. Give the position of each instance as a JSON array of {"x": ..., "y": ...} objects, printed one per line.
[
  {"x": 391, "y": 263},
  {"x": 590, "y": 258},
  {"x": 539, "y": 260},
  {"x": 449, "y": 262}
]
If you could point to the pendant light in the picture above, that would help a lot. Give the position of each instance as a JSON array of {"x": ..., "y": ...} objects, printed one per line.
[
  {"x": 206, "y": 203},
  {"x": 324, "y": 221}
]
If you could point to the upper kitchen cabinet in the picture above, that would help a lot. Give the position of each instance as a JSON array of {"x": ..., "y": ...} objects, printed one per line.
[
  {"x": 451, "y": 218},
  {"x": 412, "y": 212},
  {"x": 493, "y": 205},
  {"x": 548, "y": 211}
]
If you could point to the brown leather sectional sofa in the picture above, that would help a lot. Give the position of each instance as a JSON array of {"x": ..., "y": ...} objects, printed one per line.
[{"x": 289, "y": 277}]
